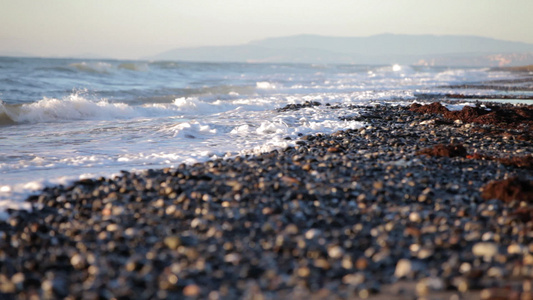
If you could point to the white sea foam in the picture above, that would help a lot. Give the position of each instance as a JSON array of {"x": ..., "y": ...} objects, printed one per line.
[
  {"x": 192, "y": 130},
  {"x": 197, "y": 106},
  {"x": 265, "y": 85}
]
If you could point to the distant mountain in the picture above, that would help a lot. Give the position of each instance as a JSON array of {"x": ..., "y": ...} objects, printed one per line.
[
  {"x": 395, "y": 44},
  {"x": 377, "y": 49}
]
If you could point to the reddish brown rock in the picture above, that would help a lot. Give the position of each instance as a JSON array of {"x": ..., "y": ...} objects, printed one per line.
[
  {"x": 508, "y": 190},
  {"x": 433, "y": 108},
  {"x": 333, "y": 149},
  {"x": 503, "y": 116},
  {"x": 442, "y": 150},
  {"x": 524, "y": 137},
  {"x": 525, "y": 162},
  {"x": 468, "y": 114}
]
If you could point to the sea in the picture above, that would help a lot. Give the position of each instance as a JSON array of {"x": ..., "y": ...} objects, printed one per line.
[{"x": 63, "y": 120}]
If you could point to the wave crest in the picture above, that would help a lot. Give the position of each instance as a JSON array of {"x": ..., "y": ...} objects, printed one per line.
[
  {"x": 73, "y": 107},
  {"x": 93, "y": 67}
]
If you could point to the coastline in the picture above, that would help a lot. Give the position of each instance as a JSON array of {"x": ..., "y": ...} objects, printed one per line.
[{"x": 347, "y": 215}]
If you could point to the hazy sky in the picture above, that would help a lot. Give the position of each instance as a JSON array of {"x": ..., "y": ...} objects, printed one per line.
[{"x": 134, "y": 28}]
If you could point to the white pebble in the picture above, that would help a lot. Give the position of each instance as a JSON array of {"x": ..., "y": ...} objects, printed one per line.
[
  {"x": 415, "y": 217},
  {"x": 335, "y": 252},
  {"x": 485, "y": 249},
  {"x": 516, "y": 249},
  {"x": 403, "y": 268}
]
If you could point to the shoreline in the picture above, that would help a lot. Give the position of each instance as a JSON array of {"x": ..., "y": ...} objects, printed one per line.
[{"x": 346, "y": 215}]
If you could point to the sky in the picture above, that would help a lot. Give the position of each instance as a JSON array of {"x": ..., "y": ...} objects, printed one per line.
[{"x": 130, "y": 29}]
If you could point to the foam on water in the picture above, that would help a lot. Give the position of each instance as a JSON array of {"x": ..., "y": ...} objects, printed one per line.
[
  {"x": 195, "y": 105},
  {"x": 265, "y": 85},
  {"x": 192, "y": 130}
]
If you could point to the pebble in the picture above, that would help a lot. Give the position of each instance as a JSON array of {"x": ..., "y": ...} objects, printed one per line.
[
  {"x": 405, "y": 268},
  {"x": 485, "y": 249},
  {"x": 191, "y": 290},
  {"x": 415, "y": 217},
  {"x": 173, "y": 242},
  {"x": 516, "y": 249}
]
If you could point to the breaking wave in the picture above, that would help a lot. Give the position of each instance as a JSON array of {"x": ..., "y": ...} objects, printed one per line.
[{"x": 73, "y": 107}]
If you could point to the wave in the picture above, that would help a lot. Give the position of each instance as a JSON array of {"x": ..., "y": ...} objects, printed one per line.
[
  {"x": 59, "y": 69},
  {"x": 166, "y": 64},
  {"x": 133, "y": 66},
  {"x": 93, "y": 67},
  {"x": 5, "y": 118},
  {"x": 101, "y": 67},
  {"x": 74, "y": 107}
]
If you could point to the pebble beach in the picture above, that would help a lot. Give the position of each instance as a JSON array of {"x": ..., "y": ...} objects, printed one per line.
[{"x": 421, "y": 202}]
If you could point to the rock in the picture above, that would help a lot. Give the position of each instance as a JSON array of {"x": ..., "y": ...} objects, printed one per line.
[
  {"x": 485, "y": 249},
  {"x": 415, "y": 217},
  {"x": 509, "y": 189},
  {"x": 516, "y": 249},
  {"x": 433, "y": 108},
  {"x": 354, "y": 279},
  {"x": 335, "y": 252},
  {"x": 6, "y": 286},
  {"x": 173, "y": 242},
  {"x": 442, "y": 150},
  {"x": 192, "y": 290},
  {"x": 406, "y": 268},
  {"x": 425, "y": 286}
]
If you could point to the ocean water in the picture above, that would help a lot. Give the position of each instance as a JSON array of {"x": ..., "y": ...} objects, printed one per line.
[{"x": 66, "y": 119}]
